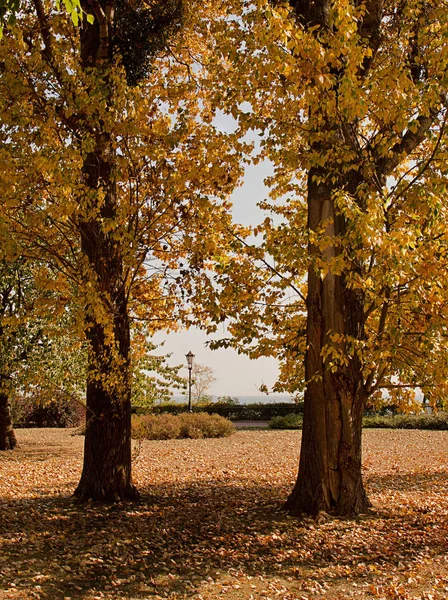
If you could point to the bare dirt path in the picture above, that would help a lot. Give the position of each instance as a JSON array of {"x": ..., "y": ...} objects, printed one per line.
[
  {"x": 251, "y": 424},
  {"x": 209, "y": 524}
]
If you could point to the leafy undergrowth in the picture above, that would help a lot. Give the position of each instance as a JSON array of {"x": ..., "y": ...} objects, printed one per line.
[{"x": 209, "y": 524}]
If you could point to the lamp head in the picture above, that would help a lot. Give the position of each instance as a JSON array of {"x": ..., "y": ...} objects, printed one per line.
[{"x": 190, "y": 357}]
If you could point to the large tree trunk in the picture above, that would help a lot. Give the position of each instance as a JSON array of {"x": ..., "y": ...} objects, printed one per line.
[
  {"x": 329, "y": 476},
  {"x": 107, "y": 450},
  {"x": 8, "y": 439},
  {"x": 106, "y": 471}
]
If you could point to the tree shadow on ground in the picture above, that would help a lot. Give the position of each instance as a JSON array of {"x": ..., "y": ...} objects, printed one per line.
[
  {"x": 410, "y": 482},
  {"x": 178, "y": 538}
]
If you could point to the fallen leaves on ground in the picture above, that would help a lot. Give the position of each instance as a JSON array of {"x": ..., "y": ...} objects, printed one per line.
[{"x": 209, "y": 523}]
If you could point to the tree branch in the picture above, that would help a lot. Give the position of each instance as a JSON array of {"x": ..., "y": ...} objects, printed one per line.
[
  {"x": 425, "y": 166},
  {"x": 384, "y": 165},
  {"x": 270, "y": 267},
  {"x": 369, "y": 32},
  {"x": 47, "y": 37}
]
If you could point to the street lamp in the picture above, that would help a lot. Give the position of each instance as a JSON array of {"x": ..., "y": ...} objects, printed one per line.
[{"x": 189, "y": 357}]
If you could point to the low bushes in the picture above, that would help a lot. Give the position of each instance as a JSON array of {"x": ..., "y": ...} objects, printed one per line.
[
  {"x": 187, "y": 425},
  {"x": 420, "y": 421},
  {"x": 27, "y": 412},
  {"x": 287, "y": 422},
  {"x": 236, "y": 412},
  {"x": 151, "y": 427}
]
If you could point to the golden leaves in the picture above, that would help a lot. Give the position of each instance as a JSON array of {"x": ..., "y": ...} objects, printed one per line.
[
  {"x": 171, "y": 169},
  {"x": 335, "y": 112}
]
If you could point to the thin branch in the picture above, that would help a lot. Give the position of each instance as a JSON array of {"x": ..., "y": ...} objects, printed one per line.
[
  {"x": 425, "y": 166},
  {"x": 370, "y": 32},
  {"x": 384, "y": 165},
  {"x": 396, "y": 386},
  {"x": 270, "y": 267},
  {"x": 379, "y": 379},
  {"x": 47, "y": 37},
  {"x": 381, "y": 329}
]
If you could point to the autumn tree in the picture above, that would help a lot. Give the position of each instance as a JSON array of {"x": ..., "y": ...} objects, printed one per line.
[
  {"x": 350, "y": 101},
  {"x": 122, "y": 187},
  {"x": 37, "y": 352}
]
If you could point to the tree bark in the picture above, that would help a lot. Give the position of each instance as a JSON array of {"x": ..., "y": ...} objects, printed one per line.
[
  {"x": 329, "y": 476},
  {"x": 106, "y": 474},
  {"x": 106, "y": 471},
  {"x": 8, "y": 440}
]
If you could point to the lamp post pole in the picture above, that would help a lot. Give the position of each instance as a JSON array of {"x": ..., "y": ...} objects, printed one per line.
[{"x": 190, "y": 357}]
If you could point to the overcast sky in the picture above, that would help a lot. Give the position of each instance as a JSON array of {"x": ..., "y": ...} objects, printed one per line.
[{"x": 236, "y": 375}]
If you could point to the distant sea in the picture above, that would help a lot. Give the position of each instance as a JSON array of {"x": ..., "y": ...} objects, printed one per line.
[{"x": 261, "y": 399}]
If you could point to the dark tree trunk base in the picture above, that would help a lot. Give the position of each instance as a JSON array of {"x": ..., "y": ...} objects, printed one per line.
[
  {"x": 8, "y": 440},
  {"x": 85, "y": 492},
  {"x": 12, "y": 439},
  {"x": 297, "y": 506},
  {"x": 106, "y": 474}
]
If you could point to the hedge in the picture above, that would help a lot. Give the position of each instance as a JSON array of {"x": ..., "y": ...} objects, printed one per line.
[
  {"x": 438, "y": 421},
  {"x": 235, "y": 412}
]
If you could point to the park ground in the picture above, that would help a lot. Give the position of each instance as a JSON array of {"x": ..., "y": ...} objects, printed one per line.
[{"x": 209, "y": 524}]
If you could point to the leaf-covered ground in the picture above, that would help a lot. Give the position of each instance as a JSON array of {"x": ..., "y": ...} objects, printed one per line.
[{"x": 209, "y": 524}]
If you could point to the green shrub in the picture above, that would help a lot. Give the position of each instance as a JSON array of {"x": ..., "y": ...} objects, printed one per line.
[
  {"x": 187, "y": 425},
  {"x": 287, "y": 422},
  {"x": 422, "y": 421}
]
